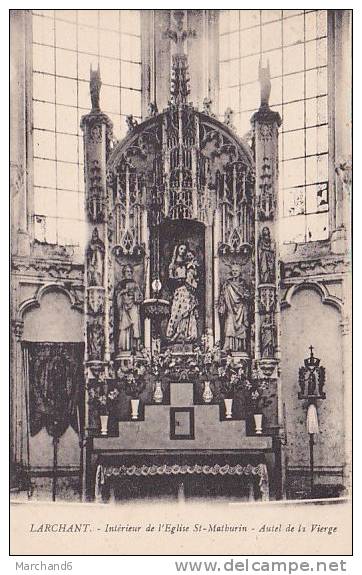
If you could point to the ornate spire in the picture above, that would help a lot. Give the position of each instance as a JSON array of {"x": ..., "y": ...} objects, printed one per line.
[
  {"x": 179, "y": 75},
  {"x": 95, "y": 84}
]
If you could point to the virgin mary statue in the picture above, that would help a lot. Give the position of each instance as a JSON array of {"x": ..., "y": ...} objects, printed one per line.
[{"x": 182, "y": 325}]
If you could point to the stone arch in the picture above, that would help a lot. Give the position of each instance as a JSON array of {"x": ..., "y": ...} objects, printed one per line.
[
  {"x": 35, "y": 301},
  {"x": 320, "y": 288},
  {"x": 53, "y": 314}
]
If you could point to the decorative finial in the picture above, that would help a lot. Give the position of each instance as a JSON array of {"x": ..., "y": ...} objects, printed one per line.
[
  {"x": 131, "y": 122},
  {"x": 207, "y": 107},
  {"x": 228, "y": 118},
  {"x": 152, "y": 109},
  {"x": 265, "y": 85},
  {"x": 179, "y": 77},
  {"x": 95, "y": 84}
]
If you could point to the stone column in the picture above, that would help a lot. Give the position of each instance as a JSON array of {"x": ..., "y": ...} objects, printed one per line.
[
  {"x": 97, "y": 133},
  {"x": 20, "y": 126},
  {"x": 340, "y": 120},
  {"x": 344, "y": 171},
  {"x": 16, "y": 395},
  {"x": 265, "y": 124}
]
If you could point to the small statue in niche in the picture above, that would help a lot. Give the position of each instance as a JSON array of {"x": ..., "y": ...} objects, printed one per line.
[
  {"x": 95, "y": 260},
  {"x": 95, "y": 340},
  {"x": 184, "y": 270},
  {"x": 267, "y": 336},
  {"x": 266, "y": 257},
  {"x": 233, "y": 305},
  {"x": 128, "y": 298}
]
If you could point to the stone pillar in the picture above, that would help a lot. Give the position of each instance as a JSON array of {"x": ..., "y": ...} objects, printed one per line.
[
  {"x": 344, "y": 171},
  {"x": 97, "y": 133},
  {"x": 265, "y": 124},
  {"x": 341, "y": 168},
  {"x": 340, "y": 120},
  {"x": 16, "y": 396},
  {"x": 20, "y": 126}
]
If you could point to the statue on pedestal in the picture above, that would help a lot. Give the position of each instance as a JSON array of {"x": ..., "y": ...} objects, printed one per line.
[
  {"x": 266, "y": 257},
  {"x": 129, "y": 297},
  {"x": 233, "y": 306},
  {"x": 268, "y": 336},
  {"x": 95, "y": 260},
  {"x": 184, "y": 270}
]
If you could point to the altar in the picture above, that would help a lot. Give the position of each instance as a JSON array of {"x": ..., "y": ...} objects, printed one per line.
[{"x": 182, "y": 280}]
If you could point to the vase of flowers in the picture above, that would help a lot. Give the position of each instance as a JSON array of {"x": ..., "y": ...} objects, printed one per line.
[
  {"x": 102, "y": 396},
  {"x": 232, "y": 378},
  {"x": 132, "y": 377},
  {"x": 255, "y": 399}
]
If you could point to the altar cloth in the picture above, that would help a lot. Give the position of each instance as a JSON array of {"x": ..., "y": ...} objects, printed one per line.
[{"x": 107, "y": 471}]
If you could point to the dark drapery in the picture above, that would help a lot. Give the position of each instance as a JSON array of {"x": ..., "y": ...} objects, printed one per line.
[{"x": 56, "y": 387}]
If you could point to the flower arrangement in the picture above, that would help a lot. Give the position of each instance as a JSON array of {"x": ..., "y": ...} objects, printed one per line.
[
  {"x": 132, "y": 376},
  {"x": 232, "y": 377},
  {"x": 180, "y": 367},
  {"x": 202, "y": 361},
  {"x": 102, "y": 396},
  {"x": 209, "y": 358},
  {"x": 254, "y": 394}
]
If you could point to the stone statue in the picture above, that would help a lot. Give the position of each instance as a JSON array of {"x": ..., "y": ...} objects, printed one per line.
[
  {"x": 207, "y": 103},
  {"x": 131, "y": 122},
  {"x": 128, "y": 298},
  {"x": 95, "y": 260},
  {"x": 95, "y": 340},
  {"x": 267, "y": 336},
  {"x": 95, "y": 88},
  {"x": 265, "y": 85},
  {"x": 184, "y": 271},
  {"x": 229, "y": 118},
  {"x": 266, "y": 257},
  {"x": 233, "y": 306},
  {"x": 152, "y": 109}
]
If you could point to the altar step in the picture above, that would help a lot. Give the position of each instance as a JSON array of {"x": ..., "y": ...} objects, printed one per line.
[{"x": 157, "y": 429}]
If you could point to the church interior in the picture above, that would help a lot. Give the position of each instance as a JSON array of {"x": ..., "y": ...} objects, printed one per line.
[{"x": 180, "y": 187}]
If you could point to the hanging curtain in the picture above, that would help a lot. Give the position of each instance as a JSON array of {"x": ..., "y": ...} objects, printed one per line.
[{"x": 56, "y": 386}]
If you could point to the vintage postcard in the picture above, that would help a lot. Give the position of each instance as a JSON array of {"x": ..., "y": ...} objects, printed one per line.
[{"x": 180, "y": 281}]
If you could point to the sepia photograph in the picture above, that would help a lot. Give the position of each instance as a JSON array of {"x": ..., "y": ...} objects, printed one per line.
[{"x": 181, "y": 346}]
